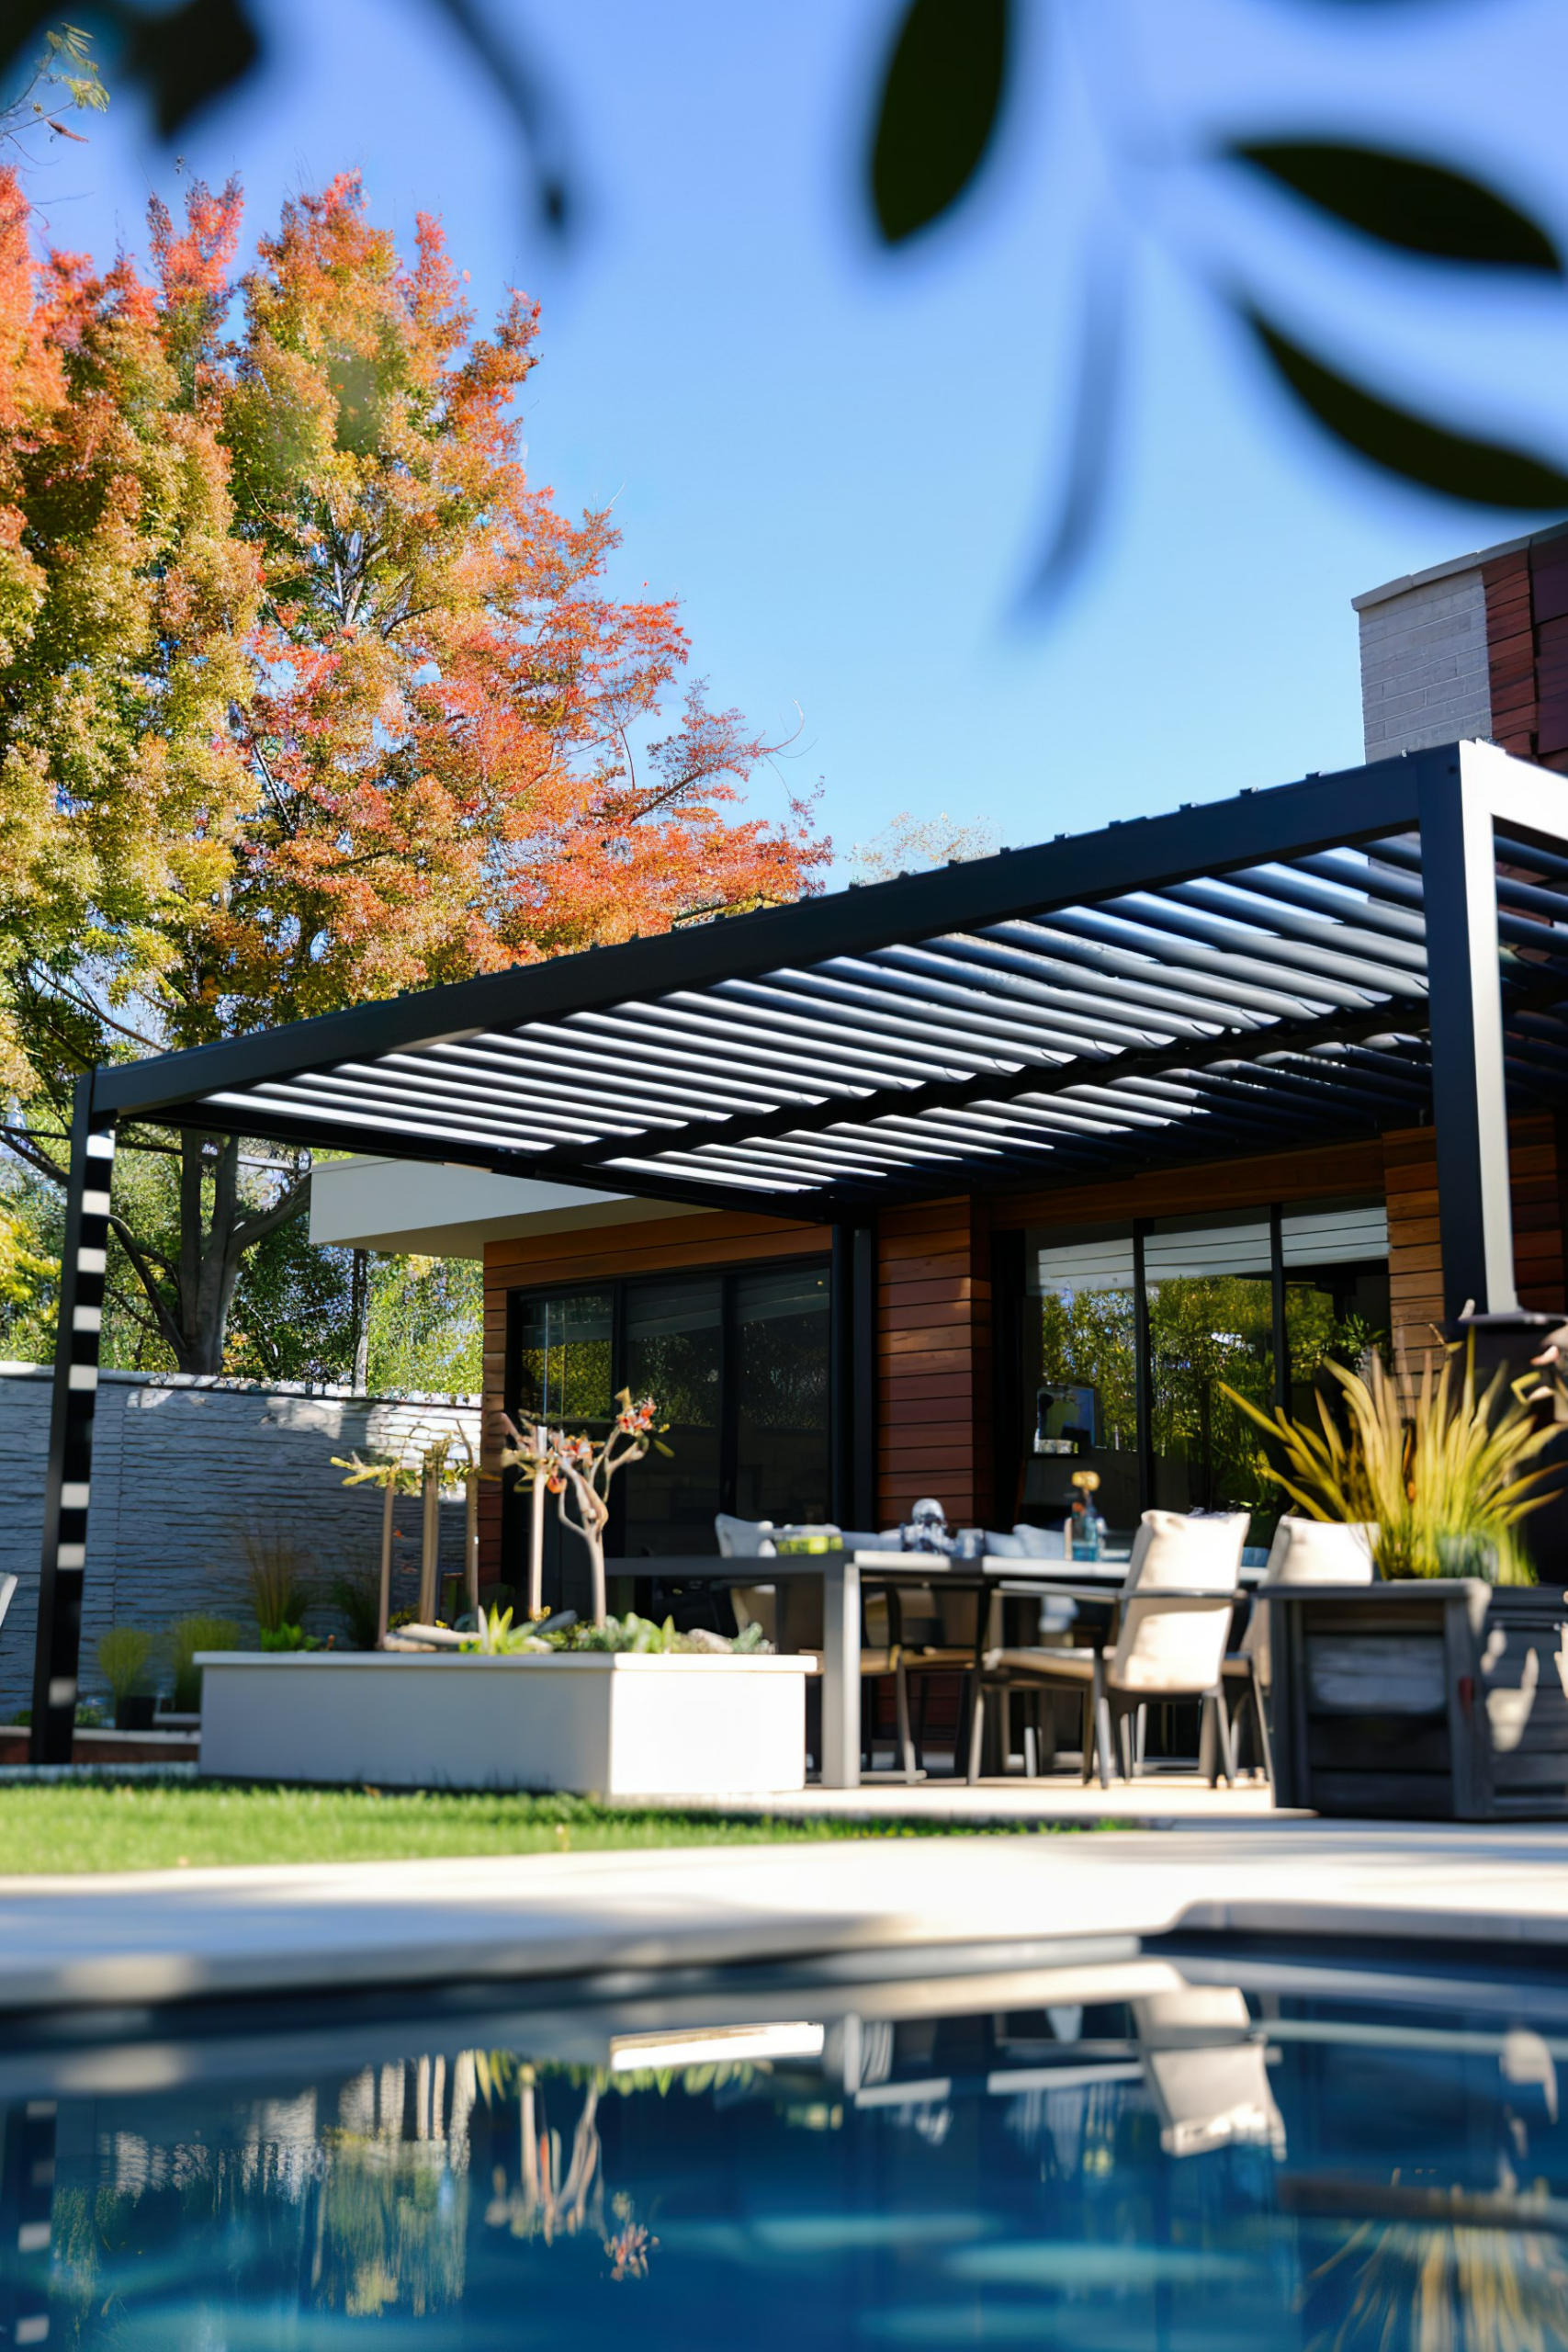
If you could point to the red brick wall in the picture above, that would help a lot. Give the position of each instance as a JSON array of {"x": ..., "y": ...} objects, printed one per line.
[{"x": 1527, "y": 647}]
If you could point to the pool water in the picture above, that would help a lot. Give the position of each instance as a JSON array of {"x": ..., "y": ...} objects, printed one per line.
[{"x": 1201, "y": 2147}]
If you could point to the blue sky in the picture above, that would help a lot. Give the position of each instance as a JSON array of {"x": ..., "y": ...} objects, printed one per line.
[{"x": 842, "y": 463}]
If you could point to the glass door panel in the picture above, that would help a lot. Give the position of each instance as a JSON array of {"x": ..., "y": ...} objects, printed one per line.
[
  {"x": 565, "y": 1380},
  {"x": 1336, "y": 1294},
  {"x": 1085, "y": 1412},
  {"x": 564, "y": 1376},
  {"x": 674, "y": 1349},
  {"x": 782, "y": 1356},
  {"x": 1210, "y": 1326}
]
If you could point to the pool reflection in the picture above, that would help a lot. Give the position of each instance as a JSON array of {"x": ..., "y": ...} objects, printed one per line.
[{"x": 1170, "y": 2151}]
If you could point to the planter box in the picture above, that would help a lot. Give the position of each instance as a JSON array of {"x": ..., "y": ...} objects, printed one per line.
[
  {"x": 590, "y": 1723},
  {"x": 1441, "y": 1700}
]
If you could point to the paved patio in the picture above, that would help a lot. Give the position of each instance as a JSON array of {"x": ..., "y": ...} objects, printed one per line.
[{"x": 960, "y": 1907}]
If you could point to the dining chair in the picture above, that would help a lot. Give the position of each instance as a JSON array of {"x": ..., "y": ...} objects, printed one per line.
[
  {"x": 1170, "y": 1627},
  {"x": 1206, "y": 2069},
  {"x": 885, "y": 1650},
  {"x": 1304, "y": 1551}
]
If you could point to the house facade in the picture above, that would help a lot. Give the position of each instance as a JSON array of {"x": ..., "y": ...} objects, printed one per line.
[{"x": 965, "y": 1182}]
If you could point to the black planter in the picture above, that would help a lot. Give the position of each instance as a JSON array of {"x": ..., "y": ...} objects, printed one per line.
[
  {"x": 1439, "y": 1700},
  {"x": 134, "y": 1711}
]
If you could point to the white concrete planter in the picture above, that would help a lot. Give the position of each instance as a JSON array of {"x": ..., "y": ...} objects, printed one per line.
[{"x": 613, "y": 1725}]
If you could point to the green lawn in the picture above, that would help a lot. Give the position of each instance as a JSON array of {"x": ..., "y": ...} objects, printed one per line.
[{"x": 152, "y": 1825}]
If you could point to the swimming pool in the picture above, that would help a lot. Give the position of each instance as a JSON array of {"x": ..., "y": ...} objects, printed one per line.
[{"x": 1198, "y": 2145}]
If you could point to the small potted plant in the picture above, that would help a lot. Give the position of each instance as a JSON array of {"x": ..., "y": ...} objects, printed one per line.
[{"x": 124, "y": 1657}]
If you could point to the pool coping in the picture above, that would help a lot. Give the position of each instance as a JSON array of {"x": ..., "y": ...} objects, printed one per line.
[{"x": 169, "y": 1937}]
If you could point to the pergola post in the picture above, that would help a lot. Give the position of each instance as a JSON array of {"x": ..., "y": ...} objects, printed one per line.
[
  {"x": 853, "y": 1399},
  {"x": 62, "y": 1566},
  {"x": 1470, "y": 1108}
]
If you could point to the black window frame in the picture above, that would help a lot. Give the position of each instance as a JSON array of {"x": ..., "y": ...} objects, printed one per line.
[{"x": 729, "y": 1276}]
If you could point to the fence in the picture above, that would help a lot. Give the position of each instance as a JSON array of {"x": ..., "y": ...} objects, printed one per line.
[{"x": 183, "y": 1469}]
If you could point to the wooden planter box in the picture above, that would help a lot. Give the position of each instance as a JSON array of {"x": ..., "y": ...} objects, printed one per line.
[
  {"x": 1437, "y": 1700},
  {"x": 591, "y": 1722}
]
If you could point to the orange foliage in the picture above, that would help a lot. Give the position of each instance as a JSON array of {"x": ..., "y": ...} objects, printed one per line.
[{"x": 307, "y": 692}]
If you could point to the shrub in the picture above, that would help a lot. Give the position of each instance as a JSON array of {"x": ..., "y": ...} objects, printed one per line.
[
  {"x": 355, "y": 1594},
  {"x": 289, "y": 1637},
  {"x": 123, "y": 1656},
  {"x": 1438, "y": 1467},
  {"x": 186, "y": 1637},
  {"x": 280, "y": 1589}
]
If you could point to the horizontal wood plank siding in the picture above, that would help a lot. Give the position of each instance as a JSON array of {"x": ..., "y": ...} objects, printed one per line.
[
  {"x": 1415, "y": 1252},
  {"x": 933, "y": 1345},
  {"x": 1333, "y": 1171}
]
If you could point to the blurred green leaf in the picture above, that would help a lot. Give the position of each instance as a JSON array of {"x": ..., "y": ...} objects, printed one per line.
[
  {"x": 1484, "y": 473},
  {"x": 941, "y": 98},
  {"x": 1422, "y": 207}
]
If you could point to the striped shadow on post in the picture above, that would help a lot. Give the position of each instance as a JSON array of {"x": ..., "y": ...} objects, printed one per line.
[{"x": 63, "y": 1565}]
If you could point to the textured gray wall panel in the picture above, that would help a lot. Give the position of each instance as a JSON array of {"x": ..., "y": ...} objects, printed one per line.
[{"x": 182, "y": 1470}]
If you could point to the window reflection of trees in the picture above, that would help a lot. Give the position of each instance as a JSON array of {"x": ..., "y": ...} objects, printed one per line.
[{"x": 1203, "y": 1330}]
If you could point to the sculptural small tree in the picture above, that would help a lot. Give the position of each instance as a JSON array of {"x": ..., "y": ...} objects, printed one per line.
[
  {"x": 581, "y": 1468},
  {"x": 422, "y": 1467}
]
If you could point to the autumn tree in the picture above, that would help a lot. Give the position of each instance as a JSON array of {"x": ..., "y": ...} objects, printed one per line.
[{"x": 308, "y": 692}]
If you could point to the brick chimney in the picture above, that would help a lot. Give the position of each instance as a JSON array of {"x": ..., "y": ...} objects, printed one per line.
[{"x": 1478, "y": 645}]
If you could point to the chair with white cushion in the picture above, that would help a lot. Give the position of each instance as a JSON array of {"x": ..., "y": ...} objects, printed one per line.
[
  {"x": 1170, "y": 1625},
  {"x": 1304, "y": 1551}
]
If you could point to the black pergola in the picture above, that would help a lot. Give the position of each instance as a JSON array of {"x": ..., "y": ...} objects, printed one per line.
[{"x": 1354, "y": 951}]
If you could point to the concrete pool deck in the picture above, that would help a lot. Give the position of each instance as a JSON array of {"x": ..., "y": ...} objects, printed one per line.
[{"x": 192, "y": 1934}]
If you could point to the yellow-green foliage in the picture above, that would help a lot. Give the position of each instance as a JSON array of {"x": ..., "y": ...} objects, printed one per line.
[{"x": 1429, "y": 1461}]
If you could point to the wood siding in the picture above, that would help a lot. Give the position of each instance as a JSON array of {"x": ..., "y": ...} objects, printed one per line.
[
  {"x": 1333, "y": 1171},
  {"x": 933, "y": 1354},
  {"x": 1415, "y": 1262}
]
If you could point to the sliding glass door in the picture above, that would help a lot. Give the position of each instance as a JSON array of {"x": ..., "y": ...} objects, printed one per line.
[
  {"x": 738, "y": 1364},
  {"x": 1144, "y": 1328},
  {"x": 674, "y": 1354}
]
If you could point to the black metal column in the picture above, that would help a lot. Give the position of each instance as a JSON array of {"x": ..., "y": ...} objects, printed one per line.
[
  {"x": 1464, "y": 992},
  {"x": 1277, "y": 1293},
  {"x": 1142, "y": 1370},
  {"x": 852, "y": 1381},
  {"x": 77, "y": 1342}
]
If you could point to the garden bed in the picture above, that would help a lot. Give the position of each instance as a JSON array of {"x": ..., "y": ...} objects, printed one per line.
[{"x": 613, "y": 1724}]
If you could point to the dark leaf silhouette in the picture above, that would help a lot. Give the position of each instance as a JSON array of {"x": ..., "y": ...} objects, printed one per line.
[
  {"x": 1087, "y": 473},
  {"x": 190, "y": 56},
  {"x": 527, "y": 99},
  {"x": 1484, "y": 473},
  {"x": 1422, "y": 207},
  {"x": 941, "y": 98}
]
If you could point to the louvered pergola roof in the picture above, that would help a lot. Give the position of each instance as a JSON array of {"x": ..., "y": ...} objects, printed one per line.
[{"x": 1238, "y": 977}]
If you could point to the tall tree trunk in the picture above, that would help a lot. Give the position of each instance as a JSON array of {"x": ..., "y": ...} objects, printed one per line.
[
  {"x": 191, "y": 1296},
  {"x": 359, "y": 1311}
]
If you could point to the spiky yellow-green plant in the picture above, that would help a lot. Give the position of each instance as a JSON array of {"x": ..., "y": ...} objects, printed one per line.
[{"x": 1434, "y": 1465}]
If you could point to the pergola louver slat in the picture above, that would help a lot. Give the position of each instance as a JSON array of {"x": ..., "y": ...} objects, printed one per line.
[{"x": 1254, "y": 970}]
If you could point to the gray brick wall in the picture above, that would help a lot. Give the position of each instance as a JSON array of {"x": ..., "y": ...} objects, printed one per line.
[
  {"x": 181, "y": 1469},
  {"x": 1423, "y": 668}
]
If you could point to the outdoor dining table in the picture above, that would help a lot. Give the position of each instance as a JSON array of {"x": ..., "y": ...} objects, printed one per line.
[{"x": 842, "y": 1576}]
